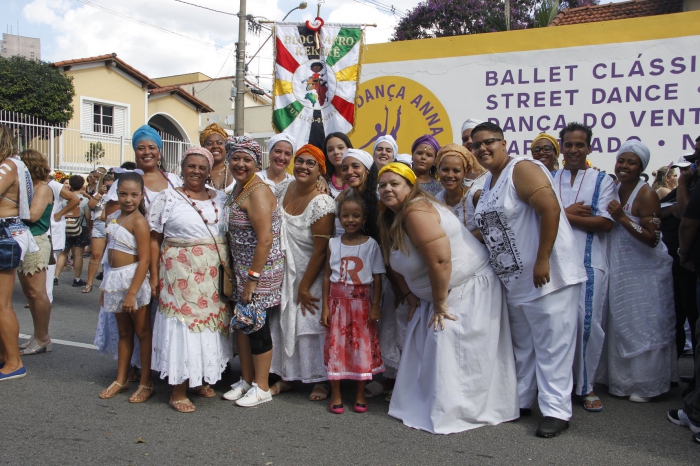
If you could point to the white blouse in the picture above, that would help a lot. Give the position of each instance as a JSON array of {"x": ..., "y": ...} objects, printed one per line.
[{"x": 172, "y": 214}]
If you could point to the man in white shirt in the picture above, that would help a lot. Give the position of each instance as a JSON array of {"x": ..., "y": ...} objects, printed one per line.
[{"x": 585, "y": 194}]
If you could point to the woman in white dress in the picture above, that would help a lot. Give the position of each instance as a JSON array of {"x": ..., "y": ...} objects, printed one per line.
[
  {"x": 307, "y": 225},
  {"x": 454, "y": 162},
  {"x": 213, "y": 138},
  {"x": 280, "y": 149},
  {"x": 641, "y": 327},
  {"x": 457, "y": 370},
  {"x": 191, "y": 343}
]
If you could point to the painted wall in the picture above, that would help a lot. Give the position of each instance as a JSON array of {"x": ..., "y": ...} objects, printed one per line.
[
  {"x": 634, "y": 78},
  {"x": 179, "y": 111}
]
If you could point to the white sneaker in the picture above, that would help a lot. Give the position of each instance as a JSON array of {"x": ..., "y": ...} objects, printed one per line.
[
  {"x": 254, "y": 397},
  {"x": 639, "y": 399},
  {"x": 237, "y": 391}
]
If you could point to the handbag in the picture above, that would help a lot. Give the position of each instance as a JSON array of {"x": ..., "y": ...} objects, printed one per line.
[
  {"x": 248, "y": 318},
  {"x": 10, "y": 250},
  {"x": 74, "y": 226}
]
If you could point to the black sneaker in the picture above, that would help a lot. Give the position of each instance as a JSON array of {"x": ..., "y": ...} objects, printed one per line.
[
  {"x": 551, "y": 427},
  {"x": 525, "y": 412},
  {"x": 55, "y": 281},
  {"x": 99, "y": 276},
  {"x": 79, "y": 282}
]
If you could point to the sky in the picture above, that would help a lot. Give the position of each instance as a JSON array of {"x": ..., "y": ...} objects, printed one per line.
[{"x": 168, "y": 37}]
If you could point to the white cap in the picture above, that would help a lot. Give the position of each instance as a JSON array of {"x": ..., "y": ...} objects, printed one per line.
[{"x": 682, "y": 162}]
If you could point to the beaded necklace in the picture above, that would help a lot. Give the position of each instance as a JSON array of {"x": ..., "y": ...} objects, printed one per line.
[{"x": 199, "y": 211}]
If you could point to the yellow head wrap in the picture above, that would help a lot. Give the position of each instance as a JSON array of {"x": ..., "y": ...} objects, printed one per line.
[
  {"x": 212, "y": 129},
  {"x": 455, "y": 150},
  {"x": 400, "y": 169},
  {"x": 551, "y": 139}
]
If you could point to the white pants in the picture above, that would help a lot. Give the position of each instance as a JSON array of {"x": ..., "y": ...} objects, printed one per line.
[
  {"x": 591, "y": 331},
  {"x": 544, "y": 342}
]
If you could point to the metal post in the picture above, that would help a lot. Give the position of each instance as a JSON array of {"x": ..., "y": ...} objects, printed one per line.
[
  {"x": 507, "y": 15},
  {"x": 240, "y": 73},
  {"x": 52, "y": 149}
]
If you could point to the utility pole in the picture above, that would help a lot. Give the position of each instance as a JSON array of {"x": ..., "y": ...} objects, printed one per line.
[{"x": 240, "y": 73}]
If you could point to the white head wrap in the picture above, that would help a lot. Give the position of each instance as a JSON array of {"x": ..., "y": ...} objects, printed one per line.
[
  {"x": 120, "y": 170},
  {"x": 387, "y": 138},
  {"x": 470, "y": 124},
  {"x": 404, "y": 158},
  {"x": 360, "y": 155},
  {"x": 282, "y": 137},
  {"x": 637, "y": 148}
]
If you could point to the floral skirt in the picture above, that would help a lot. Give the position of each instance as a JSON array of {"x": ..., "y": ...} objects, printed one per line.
[{"x": 352, "y": 346}]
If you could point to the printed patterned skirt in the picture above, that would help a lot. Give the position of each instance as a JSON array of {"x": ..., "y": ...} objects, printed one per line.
[{"x": 352, "y": 346}]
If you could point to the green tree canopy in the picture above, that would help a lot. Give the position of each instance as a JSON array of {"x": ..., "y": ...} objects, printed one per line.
[{"x": 36, "y": 88}]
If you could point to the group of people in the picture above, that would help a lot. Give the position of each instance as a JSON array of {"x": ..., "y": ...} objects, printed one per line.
[{"x": 478, "y": 284}]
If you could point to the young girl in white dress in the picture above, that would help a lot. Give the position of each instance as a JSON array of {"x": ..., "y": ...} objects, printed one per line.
[
  {"x": 126, "y": 290},
  {"x": 352, "y": 291}
]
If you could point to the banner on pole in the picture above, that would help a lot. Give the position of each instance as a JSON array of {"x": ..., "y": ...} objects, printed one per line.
[{"x": 317, "y": 68}]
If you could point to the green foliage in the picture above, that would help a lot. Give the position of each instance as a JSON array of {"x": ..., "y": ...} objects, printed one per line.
[
  {"x": 545, "y": 13},
  {"x": 36, "y": 88},
  {"x": 95, "y": 153}
]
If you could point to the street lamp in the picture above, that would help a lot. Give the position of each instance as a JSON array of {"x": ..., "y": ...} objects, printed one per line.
[{"x": 241, "y": 65}]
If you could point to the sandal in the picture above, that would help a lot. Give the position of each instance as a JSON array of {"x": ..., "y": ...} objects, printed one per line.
[
  {"x": 205, "y": 391},
  {"x": 320, "y": 392},
  {"x": 26, "y": 343},
  {"x": 591, "y": 400},
  {"x": 134, "y": 374},
  {"x": 105, "y": 395},
  {"x": 134, "y": 398},
  {"x": 36, "y": 348},
  {"x": 280, "y": 387},
  {"x": 183, "y": 406},
  {"x": 87, "y": 289}
]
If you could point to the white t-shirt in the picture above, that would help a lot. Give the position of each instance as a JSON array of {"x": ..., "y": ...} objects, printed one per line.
[
  {"x": 58, "y": 229},
  {"x": 355, "y": 265}
]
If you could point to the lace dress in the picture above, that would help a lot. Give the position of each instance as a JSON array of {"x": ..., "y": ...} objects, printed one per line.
[
  {"x": 190, "y": 334},
  {"x": 640, "y": 333},
  {"x": 298, "y": 339}
]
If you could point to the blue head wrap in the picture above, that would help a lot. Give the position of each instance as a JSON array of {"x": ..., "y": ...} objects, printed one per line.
[{"x": 146, "y": 133}]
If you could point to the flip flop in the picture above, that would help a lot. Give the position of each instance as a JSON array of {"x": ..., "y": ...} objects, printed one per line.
[
  {"x": 373, "y": 389},
  {"x": 591, "y": 399},
  {"x": 187, "y": 405},
  {"x": 138, "y": 392},
  {"x": 205, "y": 391},
  {"x": 87, "y": 289},
  {"x": 280, "y": 387},
  {"x": 321, "y": 392},
  {"x": 122, "y": 389}
]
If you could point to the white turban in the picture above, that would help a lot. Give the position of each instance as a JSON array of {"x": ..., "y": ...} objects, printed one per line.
[
  {"x": 404, "y": 158},
  {"x": 637, "y": 148},
  {"x": 282, "y": 137},
  {"x": 388, "y": 138},
  {"x": 470, "y": 124},
  {"x": 360, "y": 155}
]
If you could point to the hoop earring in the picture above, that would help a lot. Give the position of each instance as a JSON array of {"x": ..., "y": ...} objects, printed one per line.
[{"x": 158, "y": 162}]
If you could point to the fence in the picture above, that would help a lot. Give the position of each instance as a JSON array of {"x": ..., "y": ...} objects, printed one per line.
[{"x": 71, "y": 150}]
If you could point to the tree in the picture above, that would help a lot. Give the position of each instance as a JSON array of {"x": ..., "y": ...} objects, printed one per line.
[
  {"x": 441, "y": 18},
  {"x": 94, "y": 153},
  {"x": 37, "y": 89}
]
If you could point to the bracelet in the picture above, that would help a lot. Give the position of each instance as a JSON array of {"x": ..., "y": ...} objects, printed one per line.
[
  {"x": 253, "y": 279},
  {"x": 254, "y": 275},
  {"x": 681, "y": 255}
]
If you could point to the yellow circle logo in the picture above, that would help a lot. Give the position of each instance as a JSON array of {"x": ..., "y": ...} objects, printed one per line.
[{"x": 399, "y": 107}]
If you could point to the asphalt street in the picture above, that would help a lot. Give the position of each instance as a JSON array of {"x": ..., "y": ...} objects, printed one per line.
[{"x": 54, "y": 416}]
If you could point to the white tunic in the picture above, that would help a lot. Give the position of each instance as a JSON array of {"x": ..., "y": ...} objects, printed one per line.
[
  {"x": 641, "y": 327},
  {"x": 461, "y": 377},
  {"x": 58, "y": 229},
  {"x": 511, "y": 231},
  {"x": 298, "y": 340},
  {"x": 596, "y": 190},
  {"x": 464, "y": 210}
]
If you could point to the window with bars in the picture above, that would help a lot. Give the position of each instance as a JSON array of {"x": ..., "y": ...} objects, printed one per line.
[{"x": 103, "y": 119}]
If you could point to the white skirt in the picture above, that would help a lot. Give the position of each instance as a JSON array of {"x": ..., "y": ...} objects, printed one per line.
[
  {"x": 181, "y": 354},
  {"x": 461, "y": 377},
  {"x": 116, "y": 283}
]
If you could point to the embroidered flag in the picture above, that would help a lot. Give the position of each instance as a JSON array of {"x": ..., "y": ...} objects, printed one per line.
[{"x": 316, "y": 78}]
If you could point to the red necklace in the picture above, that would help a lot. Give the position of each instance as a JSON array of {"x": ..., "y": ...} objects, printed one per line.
[{"x": 199, "y": 211}]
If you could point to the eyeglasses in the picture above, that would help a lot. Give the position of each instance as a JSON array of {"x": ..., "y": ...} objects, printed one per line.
[
  {"x": 545, "y": 149},
  {"x": 311, "y": 163},
  {"x": 484, "y": 143}
]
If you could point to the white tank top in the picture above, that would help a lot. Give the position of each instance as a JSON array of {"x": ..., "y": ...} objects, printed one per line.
[{"x": 511, "y": 231}]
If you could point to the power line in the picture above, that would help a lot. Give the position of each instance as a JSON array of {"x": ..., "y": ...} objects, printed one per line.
[
  {"x": 383, "y": 7},
  {"x": 207, "y": 8},
  {"x": 122, "y": 15}
]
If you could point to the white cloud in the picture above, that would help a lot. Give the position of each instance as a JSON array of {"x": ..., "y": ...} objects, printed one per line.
[{"x": 79, "y": 30}]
